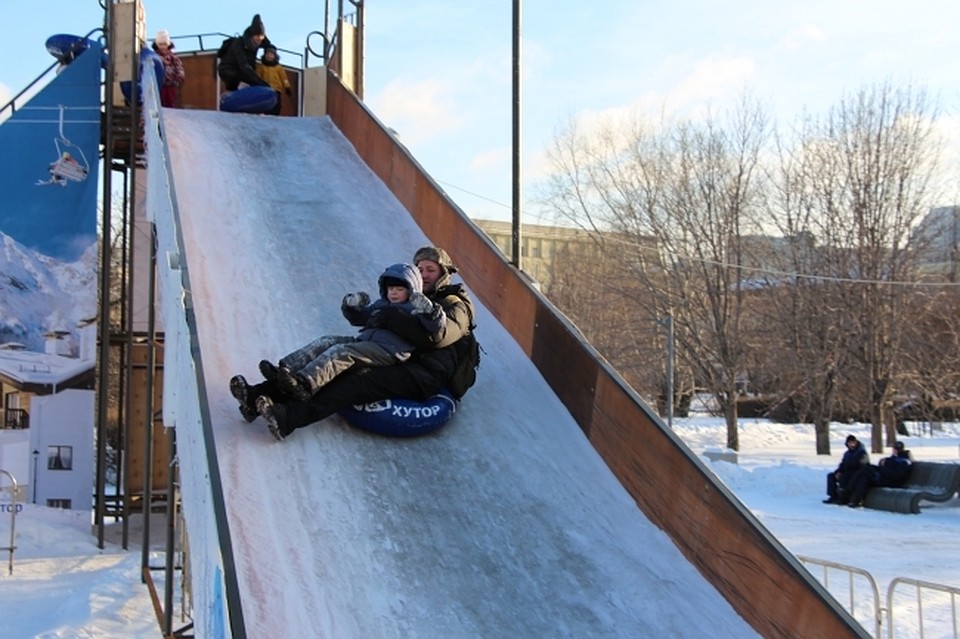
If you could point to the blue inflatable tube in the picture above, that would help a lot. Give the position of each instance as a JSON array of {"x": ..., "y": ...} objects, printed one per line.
[
  {"x": 402, "y": 417},
  {"x": 258, "y": 99}
]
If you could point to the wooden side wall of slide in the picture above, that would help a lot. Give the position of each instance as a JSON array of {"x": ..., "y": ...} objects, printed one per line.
[{"x": 760, "y": 579}]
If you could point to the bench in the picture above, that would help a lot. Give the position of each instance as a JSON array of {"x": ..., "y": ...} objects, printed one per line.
[{"x": 931, "y": 481}]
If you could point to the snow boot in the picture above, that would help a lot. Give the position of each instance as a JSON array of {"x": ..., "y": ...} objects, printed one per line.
[
  {"x": 276, "y": 416},
  {"x": 268, "y": 369},
  {"x": 241, "y": 392},
  {"x": 294, "y": 385}
]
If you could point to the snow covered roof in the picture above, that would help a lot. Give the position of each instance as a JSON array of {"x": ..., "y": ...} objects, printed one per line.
[{"x": 33, "y": 370}]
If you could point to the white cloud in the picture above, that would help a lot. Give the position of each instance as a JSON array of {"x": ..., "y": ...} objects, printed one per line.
[
  {"x": 418, "y": 111},
  {"x": 713, "y": 84},
  {"x": 714, "y": 80},
  {"x": 802, "y": 36},
  {"x": 493, "y": 159},
  {"x": 947, "y": 128}
]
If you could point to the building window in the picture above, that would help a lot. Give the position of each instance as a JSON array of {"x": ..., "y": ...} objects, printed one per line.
[
  {"x": 59, "y": 503},
  {"x": 60, "y": 458}
]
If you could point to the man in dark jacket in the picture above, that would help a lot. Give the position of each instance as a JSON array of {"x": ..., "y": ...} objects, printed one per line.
[
  {"x": 838, "y": 481},
  {"x": 892, "y": 471},
  {"x": 425, "y": 374},
  {"x": 239, "y": 61}
]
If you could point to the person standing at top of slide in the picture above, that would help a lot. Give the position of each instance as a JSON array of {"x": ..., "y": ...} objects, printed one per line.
[
  {"x": 173, "y": 73},
  {"x": 238, "y": 56}
]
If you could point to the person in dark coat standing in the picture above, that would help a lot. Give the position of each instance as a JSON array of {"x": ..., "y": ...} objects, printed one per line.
[
  {"x": 892, "y": 471},
  {"x": 417, "y": 379},
  {"x": 838, "y": 481},
  {"x": 238, "y": 62}
]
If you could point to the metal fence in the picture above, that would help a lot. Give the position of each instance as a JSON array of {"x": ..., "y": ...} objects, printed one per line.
[
  {"x": 913, "y": 608},
  {"x": 933, "y": 607}
]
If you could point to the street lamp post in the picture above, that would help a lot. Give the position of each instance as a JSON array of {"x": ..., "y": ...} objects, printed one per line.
[
  {"x": 36, "y": 455},
  {"x": 517, "y": 152},
  {"x": 668, "y": 323}
]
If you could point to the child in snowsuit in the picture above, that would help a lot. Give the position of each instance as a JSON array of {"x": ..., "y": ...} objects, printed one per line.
[
  {"x": 272, "y": 73},
  {"x": 304, "y": 371},
  {"x": 892, "y": 471},
  {"x": 173, "y": 73}
]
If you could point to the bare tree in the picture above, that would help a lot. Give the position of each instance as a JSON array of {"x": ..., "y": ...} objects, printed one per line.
[
  {"x": 682, "y": 196},
  {"x": 803, "y": 310},
  {"x": 858, "y": 181},
  {"x": 931, "y": 353}
]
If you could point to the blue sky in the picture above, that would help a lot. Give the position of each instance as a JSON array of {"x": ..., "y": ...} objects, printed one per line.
[{"x": 438, "y": 72}]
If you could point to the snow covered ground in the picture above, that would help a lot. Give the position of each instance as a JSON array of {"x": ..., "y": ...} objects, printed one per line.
[
  {"x": 63, "y": 586},
  {"x": 782, "y": 481}
]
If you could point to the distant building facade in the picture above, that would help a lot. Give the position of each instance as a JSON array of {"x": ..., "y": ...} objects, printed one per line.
[
  {"x": 938, "y": 236},
  {"x": 540, "y": 246}
]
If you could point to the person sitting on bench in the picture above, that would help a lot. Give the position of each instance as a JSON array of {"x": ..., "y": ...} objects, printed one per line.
[
  {"x": 838, "y": 481},
  {"x": 892, "y": 472}
]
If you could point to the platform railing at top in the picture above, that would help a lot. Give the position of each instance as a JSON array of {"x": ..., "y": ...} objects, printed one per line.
[
  {"x": 212, "y": 41},
  {"x": 330, "y": 42},
  {"x": 325, "y": 52}
]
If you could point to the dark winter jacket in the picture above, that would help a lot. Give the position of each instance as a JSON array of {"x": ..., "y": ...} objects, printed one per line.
[
  {"x": 456, "y": 305},
  {"x": 427, "y": 317},
  {"x": 894, "y": 470},
  {"x": 239, "y": 63},
  {"x": 437, "y": 361},
  {"x": 853, "y": 459}
]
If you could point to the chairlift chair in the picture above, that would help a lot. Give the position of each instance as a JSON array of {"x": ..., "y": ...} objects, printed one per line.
[{"x": 67, "y": 167}]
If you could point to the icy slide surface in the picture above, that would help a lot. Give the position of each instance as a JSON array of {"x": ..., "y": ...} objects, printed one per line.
[{"x": 505, "y": 523}]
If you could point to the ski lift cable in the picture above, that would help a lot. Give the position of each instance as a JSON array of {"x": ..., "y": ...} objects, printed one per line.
[{"x": 60, "y": 108}]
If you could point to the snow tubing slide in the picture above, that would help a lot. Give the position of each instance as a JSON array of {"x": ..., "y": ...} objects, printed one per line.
[
  {"x": 402, "y": 417},
  {"x": 258, "y": 99}
]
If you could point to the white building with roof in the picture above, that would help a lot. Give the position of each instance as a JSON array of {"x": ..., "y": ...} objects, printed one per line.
[{"x": 48, "y": 402}]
